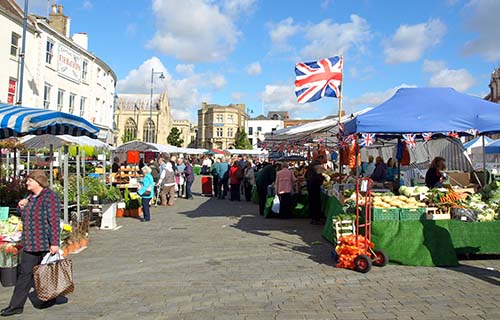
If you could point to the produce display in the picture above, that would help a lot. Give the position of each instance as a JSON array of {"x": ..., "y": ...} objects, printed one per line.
[
  {"x": 11, "y": 229},
  {"x": 397, "y": 202},
  {"x": 348, "y": 251}
]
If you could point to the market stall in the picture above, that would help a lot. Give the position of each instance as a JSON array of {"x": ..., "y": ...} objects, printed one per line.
[{"x": 416, "y": 228}]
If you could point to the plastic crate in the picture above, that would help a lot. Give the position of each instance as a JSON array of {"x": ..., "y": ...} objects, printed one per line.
[
  {"x": 412, "y": 214},
  {"x": 386, "y": 214}
]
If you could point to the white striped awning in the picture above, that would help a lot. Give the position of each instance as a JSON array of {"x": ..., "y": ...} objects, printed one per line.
[{"x": 16, "y": 121}]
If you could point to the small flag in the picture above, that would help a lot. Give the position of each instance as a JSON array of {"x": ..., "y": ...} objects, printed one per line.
[
  {"x": 367, "y": 139},
  {"x": 452, "y": 134},
  {"x": 427, "y": 136},
  {"x": 472, "y": 132},
  {"x": 410, "y": 140}
]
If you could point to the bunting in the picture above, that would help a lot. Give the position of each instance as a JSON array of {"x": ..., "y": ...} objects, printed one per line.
[
  {"x": 410, "y": 140},
  {"x": 367, "y": 139}
]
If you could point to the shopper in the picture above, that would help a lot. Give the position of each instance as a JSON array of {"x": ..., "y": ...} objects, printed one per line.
[
  {"x": 223, "y": 173},
  {"x": 434, "y": 177},
  {"x": 249, "y": 180},
  {"x": 215, "y": 176},
  {"x": 235, "y": 177},
  {"x": 314, "y": 178},
  {"x": 265, "y": 177},
  {"x": 180, "y": 179},
  {"x": 40, "y": 215},
  {"x": 167, "y": 186},
  {"x": 285, "y": 181},
  {"x": 146, "y": 192},
  {"x": 188, "y": 173},
  {"x": 116, "y": 165},
  {"x": 380, "y": 173}
]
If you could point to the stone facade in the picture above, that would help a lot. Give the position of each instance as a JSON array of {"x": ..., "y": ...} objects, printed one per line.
[
  {"x": 494, "y": 94},
  {"x": 217, "y": 125},
  {"x": 132, "y": 118},
  {"x": 186, "y": 129}
]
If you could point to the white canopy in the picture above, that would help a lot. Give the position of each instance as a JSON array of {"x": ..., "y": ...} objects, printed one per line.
[
  {"x": 254, "y": 152},
  {"x": 44, "y": 141},
  {"x": 155, "y": 147}
]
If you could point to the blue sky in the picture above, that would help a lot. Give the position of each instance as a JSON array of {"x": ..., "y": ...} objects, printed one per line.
[{"x": 244, "y": 51}]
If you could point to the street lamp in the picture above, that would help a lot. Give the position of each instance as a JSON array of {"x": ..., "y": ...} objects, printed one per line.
[{"x": 162, "y": 76}]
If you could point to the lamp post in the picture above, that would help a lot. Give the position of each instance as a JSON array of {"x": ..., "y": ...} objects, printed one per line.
[
  {"x": 23, "y": 52},
  {"x": 150, "y": 135}
]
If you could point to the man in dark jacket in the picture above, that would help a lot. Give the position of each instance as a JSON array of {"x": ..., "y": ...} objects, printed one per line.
[
  {"x": 265, "y": 177},
  {"x": 188, "y": 172}
]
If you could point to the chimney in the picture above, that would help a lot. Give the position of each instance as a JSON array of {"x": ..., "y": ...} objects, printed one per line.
[
  {"x": 58, "y": 20},
  {"x": 81, "y": 39}
]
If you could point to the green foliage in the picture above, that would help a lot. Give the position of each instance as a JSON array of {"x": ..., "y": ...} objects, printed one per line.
[
  {"x": 241, "y": 140},
  {"x": 128, "y": 136},
  {"x": 131, "y": 202},
  {"x": 89, "y": 151},
  {"x": 174, "y": 137},
  {"x": 89, "y": 187}
]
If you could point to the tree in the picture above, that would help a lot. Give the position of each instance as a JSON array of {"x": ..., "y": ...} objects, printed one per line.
[
  {"x": 128, "y": 136},
  {"x": 174, "y": 137},
  {"x": 241, "y": 140}
]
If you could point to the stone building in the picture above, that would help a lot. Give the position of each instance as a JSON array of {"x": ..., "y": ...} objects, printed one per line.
[
  {"x": 217, "y": 125},
  {"x": 186, "y": 129},
  {"x": 60, "y": 73},
  {"x": 132, "y": 118},
  {"x": 494, "y": 94}
]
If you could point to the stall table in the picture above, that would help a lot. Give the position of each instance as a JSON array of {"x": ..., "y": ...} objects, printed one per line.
[{"x": 426, "y": 242}]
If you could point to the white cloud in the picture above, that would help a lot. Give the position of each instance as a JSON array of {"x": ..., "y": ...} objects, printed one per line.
[
  {"x": 254, "y": 69},
  {"x": 281, "y": 31},
  {"x": 237, "y": 96},
  {"x": 482, "y": 19},
  {"x": 325, "y": 4},
  {"x": 198, "y": 31},
  {"x": 282, "y": 97},
  {"x": 327, "y": 38},
  {"x": 323, "y": 39},
  {"x": 87, "y": 4},
  {"x": 185, "y": 92},
  {"x": 371, "y": 99},
  {"x": 409, "y": 42},
  {"x": 237, "y": 7},
  {"x": 441, "y": 76}
]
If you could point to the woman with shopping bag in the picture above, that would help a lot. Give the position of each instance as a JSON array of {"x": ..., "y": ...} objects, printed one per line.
[{"x": 40, "y": 215}]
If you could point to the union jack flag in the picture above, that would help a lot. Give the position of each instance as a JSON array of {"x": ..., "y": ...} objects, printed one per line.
[
  {"x": 343, "y": 144},
  {"x": 410, "y": 140},
  {"x": 367, "y": 139},
  {"x": 472, "y": 132},
  {"x": 427, "y": 136},
  {"x": 341, "y": 130},
  {"x": 315, "y": 80},
  {"x": 452, "y": 134}
]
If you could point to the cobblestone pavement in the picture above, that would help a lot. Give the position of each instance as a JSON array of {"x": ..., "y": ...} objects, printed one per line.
[{"x": 214, "y": 259}]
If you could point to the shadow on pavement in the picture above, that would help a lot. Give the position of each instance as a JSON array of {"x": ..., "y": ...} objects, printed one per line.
[
  {"x": 488, "y": 275},
  {"x": 246, "y": 219}
]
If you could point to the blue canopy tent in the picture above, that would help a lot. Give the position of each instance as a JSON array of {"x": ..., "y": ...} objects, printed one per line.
[
  {"x": 476, "y": 142},
  {"x": 17, "y": 121},
  {"x": 492, "y": 148},
  {"x": 419, "y": 110},
  {"x": 422, "y": 110}
]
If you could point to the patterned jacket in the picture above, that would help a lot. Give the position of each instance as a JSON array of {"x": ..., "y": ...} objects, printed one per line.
[{"x": 40, "y": 218}]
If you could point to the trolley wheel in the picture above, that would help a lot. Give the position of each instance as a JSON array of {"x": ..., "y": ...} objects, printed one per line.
[
  {"x": 380, "y": 258},
  {"x": 362, "y": 263}
]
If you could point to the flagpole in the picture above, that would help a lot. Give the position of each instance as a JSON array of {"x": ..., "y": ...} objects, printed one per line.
[{"x": 340, "y": 115}]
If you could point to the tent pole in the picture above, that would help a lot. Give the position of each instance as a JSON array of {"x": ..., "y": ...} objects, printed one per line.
[
  {"x": 485, "y": 175},
  {"x": 399, "y": 165},
  {"x": 7, "y": 167},
  {"x": 51, "y": 166},
  {"x": 340, "y": 115},
  {"x": 78, "y": 182},
  {"x": 14, "y": 172},
  {"x": 66, "y": 178},
  {"x": 28, "y": 164},
  {"x": 83, "y": 168}
]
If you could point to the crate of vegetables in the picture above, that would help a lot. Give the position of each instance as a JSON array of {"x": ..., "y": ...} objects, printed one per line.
[
  {"x": 386, "y": 214},
  {"x": 409, "y": 214}
]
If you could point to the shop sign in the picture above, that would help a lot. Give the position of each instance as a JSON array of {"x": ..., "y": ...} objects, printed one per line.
[{"x": 69, "y": 63}]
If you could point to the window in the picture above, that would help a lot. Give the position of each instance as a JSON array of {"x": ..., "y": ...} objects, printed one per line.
[
  {"x": 219, "y": 118},
  {"x": 219, "y": 132},
  {"x": 250, "y": 131},
  {"x": 148, "y": 132},
  {"x": 46, "y": 95},
  {"x": 83, "y": 100},
  {"x": 130, "y": 132},
  {"x": 230, "y": 118},
  {"x": 14, "y": 44},
  {"x": 85, "y": 67},
  {"x": 259, "y": 129},
  {"x": 72, "y": 97},
  {"x": 230, "y": 132},
  {"x": 60, "y": 99},
  {"x": 49, "y": 53}
]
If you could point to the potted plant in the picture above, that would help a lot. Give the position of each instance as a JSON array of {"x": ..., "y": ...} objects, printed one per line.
[
  {"x": 133, "y": 204},
  {"x": 66, "y": 231},
  {"x": 9, "y": 253}
]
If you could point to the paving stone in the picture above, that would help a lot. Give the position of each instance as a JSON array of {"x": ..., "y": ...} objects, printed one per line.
[{"x": 215, "y": 259}]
